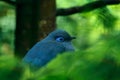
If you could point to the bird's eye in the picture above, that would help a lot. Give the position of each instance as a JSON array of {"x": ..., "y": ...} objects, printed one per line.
[{"x": 60, "y": 39}]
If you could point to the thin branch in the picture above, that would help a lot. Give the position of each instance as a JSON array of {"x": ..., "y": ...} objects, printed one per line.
[
  {"x": 10, "y": 2},
  {"x": 78, "y": 9},
  {"x": 86, "y": 8}
]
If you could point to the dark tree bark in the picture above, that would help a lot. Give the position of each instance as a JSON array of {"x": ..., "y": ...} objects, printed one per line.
[
  {"x": 35, "y": 19},
  {"x": 46, "y": 18}
]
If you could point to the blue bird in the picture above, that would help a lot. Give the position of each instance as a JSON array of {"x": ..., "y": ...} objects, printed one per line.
[{"x": 41, "y": 53}]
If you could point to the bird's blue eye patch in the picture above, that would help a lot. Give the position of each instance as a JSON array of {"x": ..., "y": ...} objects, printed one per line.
[{"x": 60, "y": 39}]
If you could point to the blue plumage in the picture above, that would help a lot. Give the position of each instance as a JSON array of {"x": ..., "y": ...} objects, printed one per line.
[{"x": 44, "y": 51}]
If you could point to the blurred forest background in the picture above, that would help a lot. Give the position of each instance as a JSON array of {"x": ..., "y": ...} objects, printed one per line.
[{"x": 97, "y": 55}]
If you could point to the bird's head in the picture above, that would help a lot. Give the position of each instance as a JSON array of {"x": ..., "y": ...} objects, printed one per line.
[{"x": 61, "y": 37}]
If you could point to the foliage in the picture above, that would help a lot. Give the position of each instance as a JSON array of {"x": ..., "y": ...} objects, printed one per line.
[
  {"x": 7, "y": 27},
  {"x": 99, "y": 62},
  {"x": 88, "y": 27}
]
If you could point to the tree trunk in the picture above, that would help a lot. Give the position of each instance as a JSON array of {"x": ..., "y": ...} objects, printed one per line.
[{"x": 35, "y": 19}]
